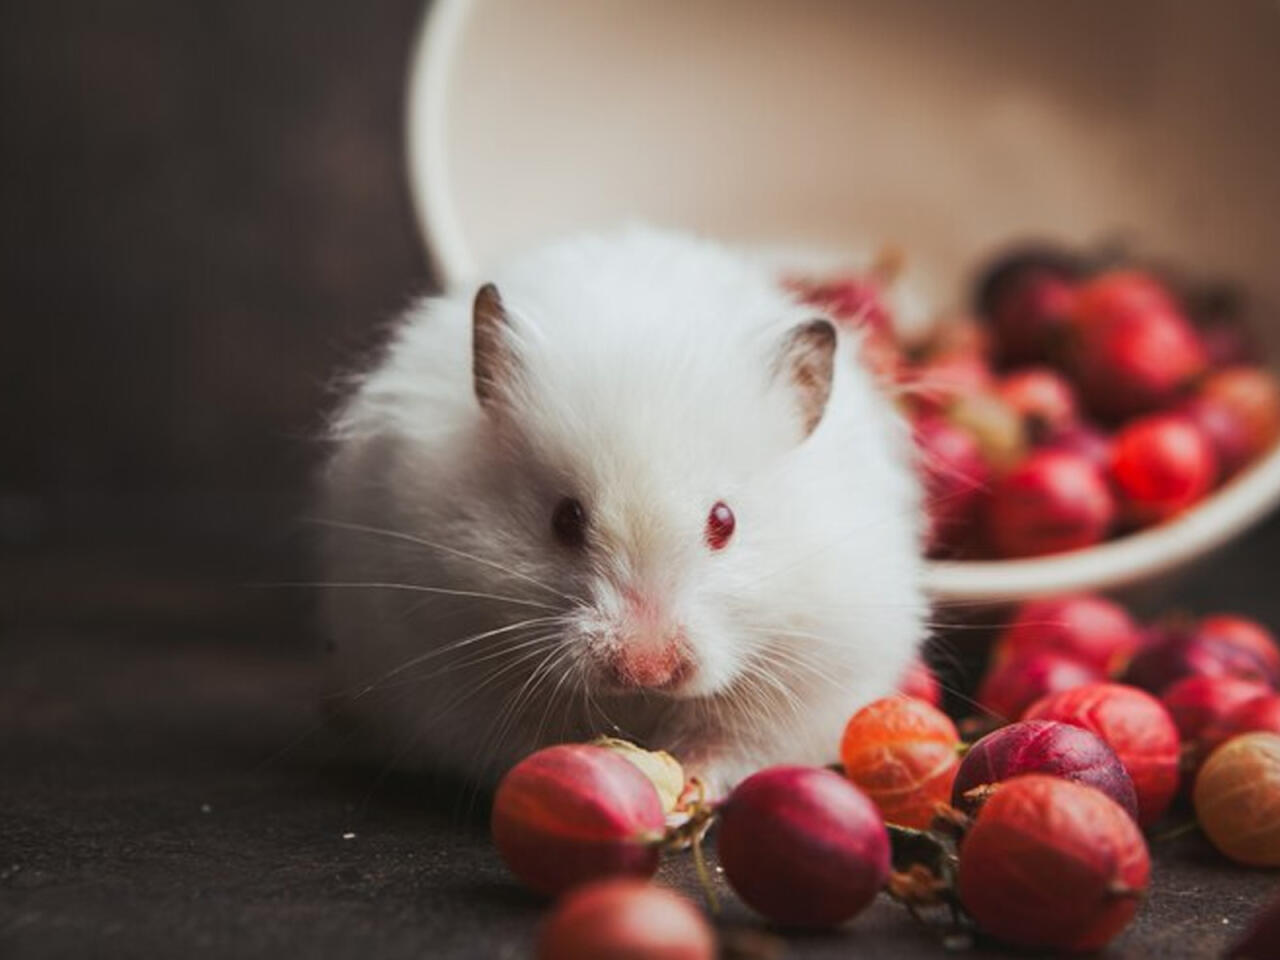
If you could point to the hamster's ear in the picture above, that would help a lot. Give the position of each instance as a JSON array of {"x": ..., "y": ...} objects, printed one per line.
[
  {"x": 493, "y": 358},
  {"x": 806, "y": 362}
]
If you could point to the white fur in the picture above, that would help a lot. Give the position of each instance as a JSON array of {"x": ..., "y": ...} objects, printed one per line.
[{"x": 648, "y": 390}]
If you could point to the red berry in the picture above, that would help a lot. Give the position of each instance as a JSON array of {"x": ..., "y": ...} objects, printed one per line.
[
  {"x": 1237, "y": 799},
  {"x": 1161, "y": 465},
  {"x": 1041, "y": 746},
  {"x": 1049, "y": 503},
  {"x": 1251, "y": 394},
  {"x": 919, "y": 682},
  {"x": 1028, "y": 295},
  {"x": 1132, "y": 723},
  {"x": 1084, "y": 626},
  {"x": 1052, "y": 865},
  {"x": 1012, "y": 685},
  {"x": 1219, "y": 646},
  {"x": 1132, "y": 350},
  {"x": 1247, "y": 637},
  {"x": 1260, "y": 714},
  {"x": 803, "y": 846},
  {"x": 1238, "y": 409},
  {"x": 903, "y": 753},
  {"x": 1043, "y": 398},
  {"x": 1197, "y": 701},
  {"x": 573, "y": 813},
  {"x": 955, "y": 479},
  {"x": 625, "y": 919}
]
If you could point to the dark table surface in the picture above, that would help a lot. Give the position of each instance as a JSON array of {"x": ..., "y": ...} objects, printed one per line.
[{"x": 205, "y": 215}]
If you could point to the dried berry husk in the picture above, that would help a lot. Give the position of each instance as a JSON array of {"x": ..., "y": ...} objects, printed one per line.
[{"x": 662, "y": 769}]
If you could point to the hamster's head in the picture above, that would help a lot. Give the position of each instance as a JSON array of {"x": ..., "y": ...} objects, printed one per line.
[{"x": 654, "y": 470}]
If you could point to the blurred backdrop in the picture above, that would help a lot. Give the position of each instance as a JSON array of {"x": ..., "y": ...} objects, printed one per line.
[{"x": 203, "y": 215}]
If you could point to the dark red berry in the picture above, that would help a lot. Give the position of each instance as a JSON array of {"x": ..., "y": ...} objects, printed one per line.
[
  {"x": 1042, "y": 746},
  {"x": 803, "y": 846},
  {"x": 1027, "y": 295}
]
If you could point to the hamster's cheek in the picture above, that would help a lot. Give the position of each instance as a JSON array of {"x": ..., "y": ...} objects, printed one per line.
[{"x": 718, "y": 653}]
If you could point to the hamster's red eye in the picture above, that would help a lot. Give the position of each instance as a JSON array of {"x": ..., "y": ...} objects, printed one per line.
[
  {"x": 569, "y": 522},
  {"x": 720, "y": 525}
]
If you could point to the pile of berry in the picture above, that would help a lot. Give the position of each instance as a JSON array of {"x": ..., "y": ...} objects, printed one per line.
[
  {"x": 1078, "y": 402},
  {"x": 1032, "y": 835}
]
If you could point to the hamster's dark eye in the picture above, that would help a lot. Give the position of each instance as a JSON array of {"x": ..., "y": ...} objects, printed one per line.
[
  {"x": 569, "y": 522},
  {"x": 720, "y": 525}
]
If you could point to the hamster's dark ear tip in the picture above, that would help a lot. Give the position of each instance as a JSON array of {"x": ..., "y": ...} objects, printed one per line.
[
  {"x": 487, "y": 305},
  {"x": 808, "y": 363},
  {"x": 820, "y": 332},
  {"x": 492, "y": 356}
]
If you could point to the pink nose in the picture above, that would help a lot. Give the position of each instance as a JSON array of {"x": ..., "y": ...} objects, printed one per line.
[{"x": 649, "y": 666}]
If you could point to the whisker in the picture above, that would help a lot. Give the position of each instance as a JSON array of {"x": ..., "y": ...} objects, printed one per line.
[
  {"x": 443, "y": 548},
  {"x": 505, "y": 650},
  {"x": 449, "y": 648},
  {"x": 409, "y": 587}
]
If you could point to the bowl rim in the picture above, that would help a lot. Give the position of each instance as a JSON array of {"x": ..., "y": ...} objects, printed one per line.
[
  {"x": 1113, "y": 565},
  {"x": 426, "y": 115}
]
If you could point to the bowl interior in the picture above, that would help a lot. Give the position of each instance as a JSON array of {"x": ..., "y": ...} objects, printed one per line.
[{"x": 948, "y": 128}]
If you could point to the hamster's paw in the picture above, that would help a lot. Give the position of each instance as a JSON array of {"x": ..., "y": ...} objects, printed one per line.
[{"x": 713, "y": 775}]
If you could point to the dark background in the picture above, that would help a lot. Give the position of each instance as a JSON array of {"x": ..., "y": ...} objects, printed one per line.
[{"x": 203, "y": 217}]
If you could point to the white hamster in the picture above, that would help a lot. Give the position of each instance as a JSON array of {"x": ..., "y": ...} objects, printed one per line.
[{"x": 628, "y": 487}]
